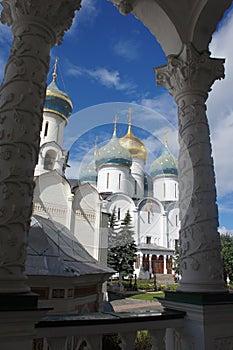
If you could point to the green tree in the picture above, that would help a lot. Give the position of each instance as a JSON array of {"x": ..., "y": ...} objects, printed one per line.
[
  {"x": 176, "y": 260},
  {"x": 113, "y": 227},
  {"x": 227, "y": 256},
  {"x": 122, "y": 248}
]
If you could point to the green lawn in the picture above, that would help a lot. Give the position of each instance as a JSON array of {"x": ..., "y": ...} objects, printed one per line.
[{"x": 147, "y": 296}]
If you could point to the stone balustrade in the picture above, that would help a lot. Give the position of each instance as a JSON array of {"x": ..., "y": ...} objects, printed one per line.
[{"x": 72, "y": 331}]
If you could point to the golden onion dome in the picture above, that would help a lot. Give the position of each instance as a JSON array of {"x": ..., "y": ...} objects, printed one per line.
[
  {"x": 57, "y": 101},
  {"x": 134, "y": 145}
]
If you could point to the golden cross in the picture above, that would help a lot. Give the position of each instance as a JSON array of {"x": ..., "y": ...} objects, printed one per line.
[
  {"x": 95, "y": 147},
  {"x": 55, "y": 68},
  {"x": 130, "y": 113},
  {"x": 165, "y": 137},
  {"x": 115, "y": 122}
]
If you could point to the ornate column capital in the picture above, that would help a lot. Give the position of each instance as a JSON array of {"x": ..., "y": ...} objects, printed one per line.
[
  {"x": 190, "y": 72},
  {"x": 55, "y": 16},
  {"x": 124, "y": 6}
]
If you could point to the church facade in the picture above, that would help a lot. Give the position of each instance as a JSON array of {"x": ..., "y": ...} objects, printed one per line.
[{"x": 114, "y": 180}]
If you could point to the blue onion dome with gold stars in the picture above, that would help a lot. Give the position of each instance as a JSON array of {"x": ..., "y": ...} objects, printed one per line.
[
  {"x": 134, "y": 145},
  {"x": 57, "y": 101},
  {"x": 88, "y": 173},
  {"x": 113, "y": 153},
  {"x": 164, "y": 165}
]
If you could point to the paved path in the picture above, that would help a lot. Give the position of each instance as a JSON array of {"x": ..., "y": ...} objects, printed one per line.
[{"x": 135, "y": 305}]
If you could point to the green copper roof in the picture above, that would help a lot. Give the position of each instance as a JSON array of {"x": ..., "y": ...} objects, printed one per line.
[
  {"x": 113, "y": 153},
  {"x": 88, "y": 173},
  {"x": 166, "y": 164}
]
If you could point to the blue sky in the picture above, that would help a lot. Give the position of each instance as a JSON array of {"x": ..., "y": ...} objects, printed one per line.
[{"x": 106, "y": 66}]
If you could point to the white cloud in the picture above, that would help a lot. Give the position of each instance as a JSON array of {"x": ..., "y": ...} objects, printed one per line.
[
  {"x": 106, "y": 77},
  {"x": 223, "y": 230},
  {"x": 162, "y": 104},
  {"x": 72, "y": 172},
  {"x": 220, "y": 109},
  {"x": 85, "y": 16},
  {"x": 127, "y": 49}
]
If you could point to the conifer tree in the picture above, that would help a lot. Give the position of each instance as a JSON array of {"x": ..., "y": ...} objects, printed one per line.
[
  {"x": 176, "y": 260},
  {"x": 227, "y": 256},
  {"x": 122, "y": 247},
  {"x": 113, "y": 227}
]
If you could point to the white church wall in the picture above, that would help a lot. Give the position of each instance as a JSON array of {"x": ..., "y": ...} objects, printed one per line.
[
  {"x": 87, "y": 218},
  {"x": 150, "y": 222},
  {"x": 137, "y": 171},
  {"x": 165, "y": 188},
  {"x": 115, "y": 179},
  {"x": 173, "y": 225},
  {"x": 52, "y": 197},
  {"x": 52, "y": 128},
  {"x": 103, "y": 251}
]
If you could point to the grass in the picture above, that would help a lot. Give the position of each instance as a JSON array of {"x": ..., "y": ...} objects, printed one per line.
[{"x": 147, "y": 296}]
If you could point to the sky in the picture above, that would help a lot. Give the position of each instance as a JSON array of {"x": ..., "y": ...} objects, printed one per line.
[{"x": 106, "y": 66}]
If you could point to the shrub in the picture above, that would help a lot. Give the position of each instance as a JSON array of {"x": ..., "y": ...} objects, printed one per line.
[
  {"x": 112, "y": 341},
  {"x": 143, "y": 341}
]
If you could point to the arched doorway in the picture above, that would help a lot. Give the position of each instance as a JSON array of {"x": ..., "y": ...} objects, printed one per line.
[
  {"x": 169, "y": 264},
  {"x": 157, "y": 264},
  {"x": 160, "y": 265},
  {"x": 145, "y": 262}
]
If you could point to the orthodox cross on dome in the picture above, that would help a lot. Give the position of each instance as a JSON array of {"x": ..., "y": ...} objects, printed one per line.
[
  {"x": 130, "y": 113},
  {"x": 96, "y": 145},
  {"x": 166, "y": 137},
  {"x": 55, "y": 69},
  {"x": 115, "y": 123}
]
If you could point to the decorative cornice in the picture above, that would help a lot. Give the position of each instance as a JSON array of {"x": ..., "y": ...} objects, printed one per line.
[
  {"x": 124, "y": 6},
  {"x": 58, "y": 14},
  {"x": 190, "y": 71},
  {"x": 57, "y": 113}
]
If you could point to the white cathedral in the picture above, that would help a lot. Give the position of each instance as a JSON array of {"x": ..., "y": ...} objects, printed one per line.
[{"x": 114, "y": 179}]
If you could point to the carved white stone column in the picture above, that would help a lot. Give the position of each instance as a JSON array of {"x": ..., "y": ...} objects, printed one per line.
[
  {"x": 58, "y": 343},
  {"x": 188, "y": 78},
  {"x": 36, "y": 26},
  {"x": 157, "y": 339},
  {"x": 165, "y": 229},
  {"x": 128, "y": 340}
]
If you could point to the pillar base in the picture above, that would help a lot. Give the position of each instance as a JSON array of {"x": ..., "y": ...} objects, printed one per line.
[
  {"x": 215, "y": 287},
  {"x": 207, "y": 322},
  {"x": 17, "y": 327},
  {"x": 199, "y": 298}
]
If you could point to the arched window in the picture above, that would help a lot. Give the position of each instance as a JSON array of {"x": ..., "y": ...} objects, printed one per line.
[
  {"x": 119, "y": 181},
  {"x": 107, "y": 180},
  {"x": 176, "y": 220},
  {"x": 119, "y": 213},
  {"x": 135, "y": 187},
  {"x": 49, "y": 160},
  {"x": 46, "y": 129},
  {"x": 149, "y": 217}
]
